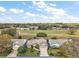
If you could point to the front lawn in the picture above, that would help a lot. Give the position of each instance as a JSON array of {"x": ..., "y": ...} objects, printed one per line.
[
  {"x": 29, "y": 52},
  {"x": 55, "y": 53}
]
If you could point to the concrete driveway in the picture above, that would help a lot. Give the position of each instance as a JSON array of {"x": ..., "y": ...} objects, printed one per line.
[
  {"x": 16, "y": 44},
  {"x": 43, "y": 51},
  {"x": 14, "y": 52}
]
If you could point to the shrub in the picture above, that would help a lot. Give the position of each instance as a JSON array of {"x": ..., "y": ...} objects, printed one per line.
[
  {"x": 51, "y": 54},
  {"x": 22, "y": 49},
  {"x": 19, "y": 37},
  {"x": 54, "y": 37},
  {"x": 5, "y": 44},
  {"x": 11, "y": 32},
  {"x": 41, "y": 34},
  {"x": 71, "y": 32}
]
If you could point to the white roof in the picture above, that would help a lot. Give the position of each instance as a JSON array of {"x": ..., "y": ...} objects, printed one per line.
[{"x": 52, "y": 42}]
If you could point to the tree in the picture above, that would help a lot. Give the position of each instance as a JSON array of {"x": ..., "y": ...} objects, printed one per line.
[
  {"x": 71, "y": 32},
  {"x": 41, "y": 34},
  {"x": 22, "y": 49},
  {"x": 11, "y": 32},
  {"x": 19, "y": 37}
]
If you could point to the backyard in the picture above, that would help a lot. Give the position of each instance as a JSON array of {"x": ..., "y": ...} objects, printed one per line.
[{"x": 50, "y": 33}]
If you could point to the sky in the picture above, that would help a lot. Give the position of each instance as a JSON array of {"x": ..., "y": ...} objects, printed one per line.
[{"x": 39, "y": 11}]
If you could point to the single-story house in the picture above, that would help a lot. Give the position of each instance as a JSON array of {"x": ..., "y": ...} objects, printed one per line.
[
  {"x": 19, "y": 42},
  {"x": 33, "y": 27},
  {"x": 23, "y": 28},
  {"x": 53, "y": 43}
]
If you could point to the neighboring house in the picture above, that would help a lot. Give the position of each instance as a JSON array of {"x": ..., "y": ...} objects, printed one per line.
[
  {"x": 33, "y": 27},
  {"x": 29, "y": 28},
  {"x": 63, "y": 28},
  {"x": 56, "y": 28},
  {"x": 19, "y": 42},
  {"x": 23, "y": 28},
  {"x": 56, "y": 43},
  {"x": 32, "y": 42}
]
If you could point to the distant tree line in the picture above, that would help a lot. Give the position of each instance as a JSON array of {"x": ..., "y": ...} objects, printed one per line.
[{"x": 41, "y": 26}]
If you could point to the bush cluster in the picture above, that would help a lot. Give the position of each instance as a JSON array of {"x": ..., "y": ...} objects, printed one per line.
[{"x": 41, "y": 34}]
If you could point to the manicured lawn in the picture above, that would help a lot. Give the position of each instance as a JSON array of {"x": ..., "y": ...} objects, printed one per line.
[
  {"x": 44, "y": 31},
  {"x": 3, "y": 54},
  {"x": 50, "y": 33},
  {"x": 28, "y": 52},
  {"x": 55, "y": 53}
]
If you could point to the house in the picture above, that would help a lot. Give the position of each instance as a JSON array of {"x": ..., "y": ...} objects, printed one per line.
[
  {"x": 33, "y": 27},
  {"x": 23, "y": 28},
  {"x": 56, "y": 28},
  {"x": 37, "y": 41},
  {"x": 18, "y": 42},
  {"x": 28, "y": 28},
  {"x": 53, "y": 43}
]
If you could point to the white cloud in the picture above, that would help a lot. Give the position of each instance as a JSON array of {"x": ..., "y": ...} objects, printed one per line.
[
  {"x": 38, "y": 9},
  {"x": 56, "y": 13},
  {"x": 51, "y": 4},
  {"x": 3, "y": 14},
  {"x": 16, "y": 10},
  {"x": 29, "y": 14},
  {"x": 23, "y": 3},
  {"x": 45, "y": 17},
  {"x": 2, "y": 9},
  {"x": 30, "y": 6},
  {"x": 40, "y": 4},
  {"x": 49, "y": 9},
  {"x": 6, "y": 19},
  {"x": 52, "y": 14}
]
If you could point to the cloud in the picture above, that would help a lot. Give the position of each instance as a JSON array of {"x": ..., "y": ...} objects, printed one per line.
[
  {"x": 45, "y": 17},
  {"x": 51, "y": 4},
  {"x": 38, "y": 9},
  {"x": 49, "y": 9},
  {"x": 6, "y": 19},
  {"x": 16, "y": 11},
  {"x": 29, "y": 14},
  {"x": 2, "y": 9},
  {"x": 56, "y": 13},
  {"x": 40, "y": 4},
  {"x": 3, "y": 14},
  {"x": 23, "y": 3},
  {"x": 30, "y": 6},
  {"x": 44, "y": 12}
]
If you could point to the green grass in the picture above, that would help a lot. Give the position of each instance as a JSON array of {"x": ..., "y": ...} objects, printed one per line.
[
  {"x": 29, "y": 52},
  {"x": 55, "y": 52},
  {"x": 50, "y": 33},
  {"x": 44, "y": 31},
  {"x": 3, "y": 54}
]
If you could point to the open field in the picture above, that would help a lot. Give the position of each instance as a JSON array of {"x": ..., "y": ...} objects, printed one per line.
[{"x": 50, "y": 33}]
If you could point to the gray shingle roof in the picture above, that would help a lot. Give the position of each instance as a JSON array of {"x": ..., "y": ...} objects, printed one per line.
[{"x": 59, "y": 42}]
